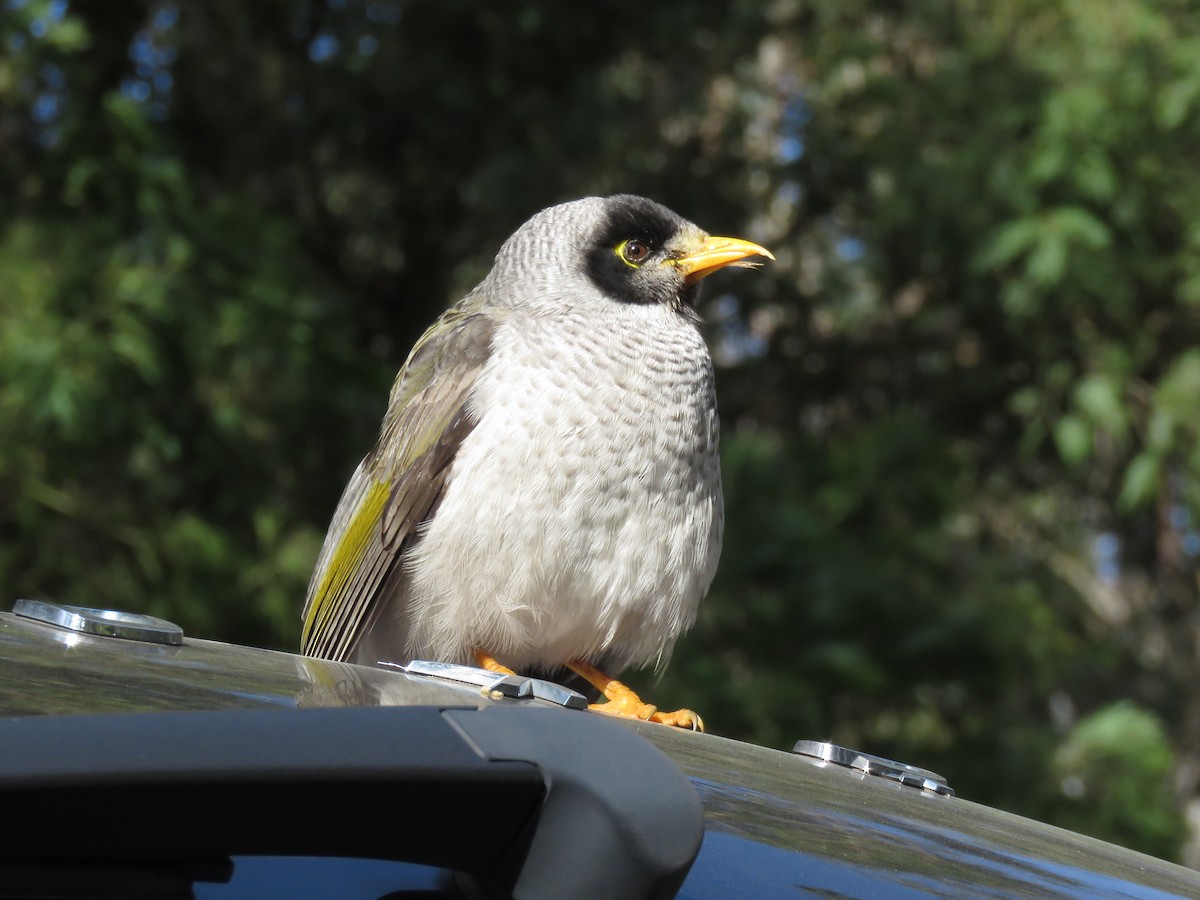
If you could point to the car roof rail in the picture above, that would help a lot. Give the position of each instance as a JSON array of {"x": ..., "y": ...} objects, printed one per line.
[{"x": 525, "y": 802}]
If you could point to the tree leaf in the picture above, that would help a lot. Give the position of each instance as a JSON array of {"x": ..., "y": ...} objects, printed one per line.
[
  {"x": 1140, "y": 483},
  {"x": 1074, "y": 439}
]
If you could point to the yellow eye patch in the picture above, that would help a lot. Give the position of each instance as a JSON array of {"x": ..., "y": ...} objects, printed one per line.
[{"x": 632, "y": 252}]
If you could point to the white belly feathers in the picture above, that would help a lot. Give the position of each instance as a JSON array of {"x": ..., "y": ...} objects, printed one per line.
[{"x": 569, "y": 528}]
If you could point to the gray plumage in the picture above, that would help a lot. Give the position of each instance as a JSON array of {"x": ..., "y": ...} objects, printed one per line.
[{"x": 546, "y": 486}]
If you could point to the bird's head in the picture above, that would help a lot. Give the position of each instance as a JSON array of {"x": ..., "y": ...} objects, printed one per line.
[
  {"x": 632, "y": 249},
  {"x": 641, "y": 252}
]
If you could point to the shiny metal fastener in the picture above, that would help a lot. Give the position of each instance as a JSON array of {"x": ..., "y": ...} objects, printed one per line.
[
  {"x": 910, "y": 776},
  {"x": 102, "y": 622}
]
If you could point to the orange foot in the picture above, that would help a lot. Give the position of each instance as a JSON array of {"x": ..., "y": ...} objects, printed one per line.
[{"x": 622, "y": 701}]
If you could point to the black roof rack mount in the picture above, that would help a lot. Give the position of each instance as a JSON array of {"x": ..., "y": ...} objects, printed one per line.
[{"x": 528, "y": 803}]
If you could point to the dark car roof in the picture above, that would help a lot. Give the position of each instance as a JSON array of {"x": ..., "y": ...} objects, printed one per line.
[{"x": 776, "y": 824}]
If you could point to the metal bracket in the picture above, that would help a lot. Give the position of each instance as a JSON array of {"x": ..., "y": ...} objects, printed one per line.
[{"x": 516, "y": 687}]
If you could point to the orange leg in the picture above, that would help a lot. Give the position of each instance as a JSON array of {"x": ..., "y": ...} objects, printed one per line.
[
  {"x": 485, "y": 660},
  {"x": 622, "y": 701}
]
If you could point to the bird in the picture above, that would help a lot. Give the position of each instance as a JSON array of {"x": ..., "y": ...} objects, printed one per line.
[{"x": 545, "y": 492}]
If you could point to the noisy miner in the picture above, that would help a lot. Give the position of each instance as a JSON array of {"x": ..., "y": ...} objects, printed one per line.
[{"x": 545, "y": 491}]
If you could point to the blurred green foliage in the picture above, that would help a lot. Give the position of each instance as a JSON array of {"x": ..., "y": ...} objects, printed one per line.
[
  {"x": 1116, "y": 766},
  {"x": 960, "y": 413}
]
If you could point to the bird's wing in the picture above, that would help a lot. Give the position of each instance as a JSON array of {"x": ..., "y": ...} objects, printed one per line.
[{"x": 397, "y": 485}]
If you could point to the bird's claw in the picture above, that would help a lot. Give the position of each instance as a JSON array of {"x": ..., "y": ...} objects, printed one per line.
[
  {"x": 630, "y": 707},
  {"x": 622, "y": 701},
  {"x": 681, "y": 718}
]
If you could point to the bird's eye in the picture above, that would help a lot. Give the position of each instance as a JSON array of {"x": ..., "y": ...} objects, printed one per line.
[{"x": 633, "y": 251}]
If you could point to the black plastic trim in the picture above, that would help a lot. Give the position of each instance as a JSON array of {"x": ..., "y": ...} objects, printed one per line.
[{"x": 528, "y": 802}]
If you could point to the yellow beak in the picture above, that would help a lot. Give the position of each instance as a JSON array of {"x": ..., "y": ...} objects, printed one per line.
[{"x": 717, "y": 253}]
